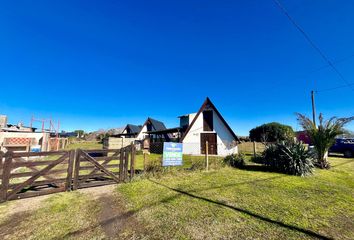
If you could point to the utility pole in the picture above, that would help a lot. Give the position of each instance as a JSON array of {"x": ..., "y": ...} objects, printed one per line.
[{"x": 313, "y": 107}]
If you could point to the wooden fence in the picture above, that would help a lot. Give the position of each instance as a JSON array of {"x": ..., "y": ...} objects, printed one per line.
[
  {"x": 28, "y": 174},
  {"x": 251, "y": 147}
]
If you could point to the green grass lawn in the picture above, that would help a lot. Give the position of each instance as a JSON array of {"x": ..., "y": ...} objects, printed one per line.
[
  {"x": 84, "y": 145},
  {"x": 220, "y": 204},
  {"x": 69, "y": 215},
  {"x": 246, "y": 204}
]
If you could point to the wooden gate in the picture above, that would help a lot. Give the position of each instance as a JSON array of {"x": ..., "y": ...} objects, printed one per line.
[
  {"x": 28, "y": 174},
  {"x": 101, "y": 167}
]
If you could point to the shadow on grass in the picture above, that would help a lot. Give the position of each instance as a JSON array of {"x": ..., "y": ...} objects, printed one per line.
[
  {"x": 236, "y": 184},
  {"x": 281, "y": 224},
  {"x": 344, "y": 163},
  {"x": 256, "y": 168}
]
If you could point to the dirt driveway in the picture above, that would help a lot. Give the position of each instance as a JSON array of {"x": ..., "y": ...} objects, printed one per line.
[{"x": 113, "y": 218}]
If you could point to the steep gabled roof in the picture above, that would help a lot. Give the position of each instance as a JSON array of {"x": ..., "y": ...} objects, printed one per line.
[
  {"x": 206, "y": 103},
  {"x": 157, "y": 125},
  {"x": 133, "y": 128}
]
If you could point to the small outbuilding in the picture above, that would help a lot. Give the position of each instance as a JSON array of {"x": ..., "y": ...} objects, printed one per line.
[{"x": 207, "y": 125}]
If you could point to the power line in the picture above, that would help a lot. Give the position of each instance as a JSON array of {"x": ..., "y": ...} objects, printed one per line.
[
  {"x": 334, "y": 62},
  {"x": 334, "y": 88},
  {"x": 325, "y": 58}
]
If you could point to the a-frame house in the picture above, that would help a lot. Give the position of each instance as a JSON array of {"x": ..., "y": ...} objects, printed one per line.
[{"x": 207, "y": 125}]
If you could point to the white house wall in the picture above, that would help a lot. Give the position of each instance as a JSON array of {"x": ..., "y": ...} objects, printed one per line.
[
  {"x": 142, "y": 134},
  {"x": 225, "y": 140}
]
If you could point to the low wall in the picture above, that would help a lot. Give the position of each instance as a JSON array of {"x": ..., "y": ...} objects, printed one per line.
[
  {"x": 117, "y": 143},
  {"x": 248, "y": 147}
]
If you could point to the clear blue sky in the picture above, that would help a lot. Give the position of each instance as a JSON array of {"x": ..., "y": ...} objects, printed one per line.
[{"x": 102, "y": 64}]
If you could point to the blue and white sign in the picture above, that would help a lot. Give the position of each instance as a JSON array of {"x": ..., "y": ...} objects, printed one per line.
[{"x": 172, "y": 154}]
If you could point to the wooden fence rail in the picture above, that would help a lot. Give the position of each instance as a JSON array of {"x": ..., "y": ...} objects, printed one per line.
[{"x": 24, "y": 174}]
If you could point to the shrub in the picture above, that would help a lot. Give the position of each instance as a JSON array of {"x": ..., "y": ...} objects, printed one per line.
[
  {"x": 257, "y": 159},
  {"x": 289, "y": 157},
  {"x": 271, "y": 132},
  {"x": 235, "y": 160},
  {"x": 153, "y": 166}
]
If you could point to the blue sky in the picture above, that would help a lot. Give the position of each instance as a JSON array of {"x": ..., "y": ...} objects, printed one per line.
[{"x": 102, "y": 64}]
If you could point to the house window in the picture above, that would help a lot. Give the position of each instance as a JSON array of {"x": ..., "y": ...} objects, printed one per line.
[
  {"x": 149, "y": 127},
  {"x": 208, "y": 121}
]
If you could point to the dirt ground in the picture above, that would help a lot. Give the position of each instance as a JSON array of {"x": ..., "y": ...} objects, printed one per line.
[{"x": 115, "y": 221}]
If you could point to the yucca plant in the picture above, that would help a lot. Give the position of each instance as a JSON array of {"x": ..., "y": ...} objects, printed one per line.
[
  {"x": 289, "y": 157},
  {"x": 323, "y": 136}
]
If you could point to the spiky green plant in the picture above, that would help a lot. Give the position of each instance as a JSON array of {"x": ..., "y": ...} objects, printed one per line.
[
  {"x": 323, "y": 135},
  {"x": 290, "y": 157}
]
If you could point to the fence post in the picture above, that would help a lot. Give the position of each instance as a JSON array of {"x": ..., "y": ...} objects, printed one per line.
[
  {"x": 132, "y": 161},
  {"x": 121, "y": 164},
  {"x": 5, "y": 176},
  {"x": 126, "y": 162},
  {"x": 207, "y": 155},
  {"x": 69, "y": 178},
  {"x": 144, "y": 155},
  {"x": 76, "y": 169},
  {"x": 254, "y": 149}
]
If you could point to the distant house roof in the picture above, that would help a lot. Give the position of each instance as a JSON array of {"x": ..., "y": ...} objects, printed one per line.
[
  {"x": 157, "y": 125},
  {"x": 133, "y": 128}
]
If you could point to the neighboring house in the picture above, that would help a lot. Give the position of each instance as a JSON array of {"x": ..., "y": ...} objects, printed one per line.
[
  {"x": 130, "y": 131},
  {"x": 21, "y": 138},
  {"x": 151, "y": 129},
  {"x": 207, "y": 125}
]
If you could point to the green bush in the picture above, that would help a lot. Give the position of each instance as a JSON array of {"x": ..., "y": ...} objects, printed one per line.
[
  {"x": 257, "y": 159},
  {"x": 235, "y": 160},
  {"x": 271, "y": 132},
  {"x": 154, "y": 166},
  {"x": 289, "y": 157}
]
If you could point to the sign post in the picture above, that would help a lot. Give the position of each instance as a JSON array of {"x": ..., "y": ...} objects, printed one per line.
[{"x": 172, "y": 154}]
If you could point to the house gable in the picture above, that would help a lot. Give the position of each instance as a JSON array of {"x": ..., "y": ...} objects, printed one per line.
[
  {"x": 154, "y": 124},
  {"x": 223, "y": 129}
]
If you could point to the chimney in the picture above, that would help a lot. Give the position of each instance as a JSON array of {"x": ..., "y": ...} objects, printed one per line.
[{"x": 3, "y": 121}]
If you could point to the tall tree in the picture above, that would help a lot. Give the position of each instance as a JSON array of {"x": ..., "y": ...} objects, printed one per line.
[
  {"x": 323, "y": 136},
  {"x": 271, "y": 132}
]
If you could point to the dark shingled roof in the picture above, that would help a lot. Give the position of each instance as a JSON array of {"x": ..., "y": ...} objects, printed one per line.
[
  {"x": 157, "y": 125},
  {"x": 134, "y": 128}
]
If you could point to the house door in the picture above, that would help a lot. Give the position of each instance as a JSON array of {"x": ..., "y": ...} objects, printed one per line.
[{"x": 212, "y": 143}]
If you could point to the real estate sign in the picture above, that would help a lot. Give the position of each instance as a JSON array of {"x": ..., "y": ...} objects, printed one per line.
[{"x": 172, "y": 154}]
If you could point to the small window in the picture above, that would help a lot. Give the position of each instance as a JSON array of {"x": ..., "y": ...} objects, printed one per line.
[{"x": 208, "y": 121}]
